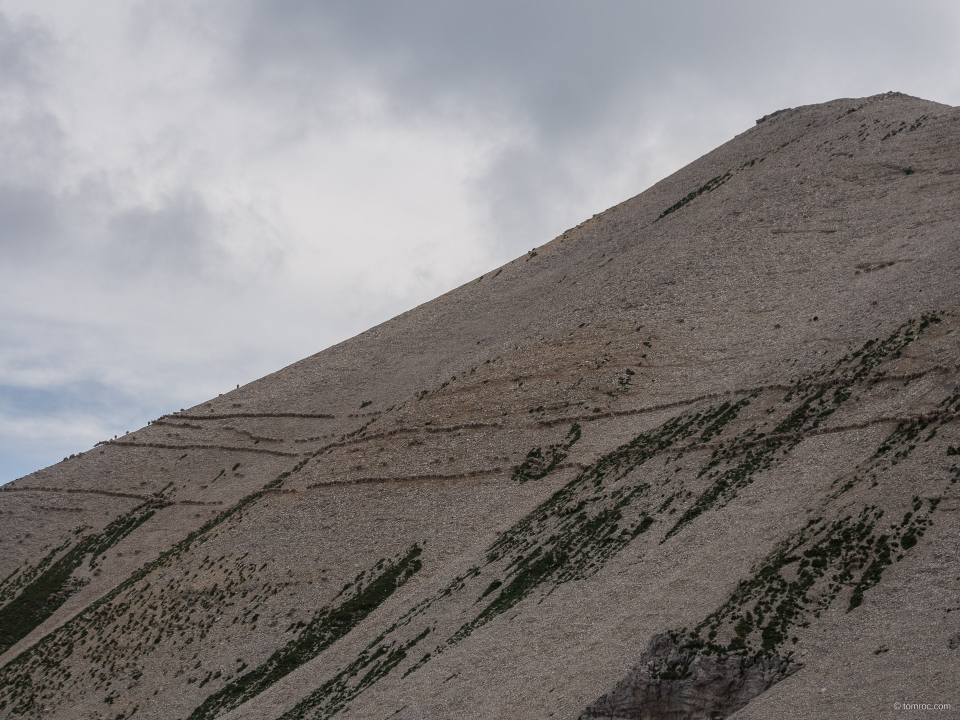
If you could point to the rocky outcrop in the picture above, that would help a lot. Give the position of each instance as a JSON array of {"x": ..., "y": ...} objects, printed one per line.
[{"x": 672, "y": 682}]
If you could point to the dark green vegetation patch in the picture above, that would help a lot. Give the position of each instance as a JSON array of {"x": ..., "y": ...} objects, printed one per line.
[
  {"x": 327, "y": 626},
  {"x": 539, "y": 463},
  {"x": 44, "y": 595},
  {"x": 817, "y": 397},
  {"x": 707, "y": 187},
  {"x": 704, "y": 458},
  {"x": 579, "y": 528}
]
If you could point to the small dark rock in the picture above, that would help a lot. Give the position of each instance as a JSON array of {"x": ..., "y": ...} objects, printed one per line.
[{"x": 771, "y": 115}]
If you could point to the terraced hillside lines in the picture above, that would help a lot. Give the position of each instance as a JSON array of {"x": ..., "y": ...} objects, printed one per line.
[
  {"x": 538, "y": 464},
  {"x": 42, "y": 670},
  {"x": 256, "y": 415},
  {"x": 373, "y": 437},
  {"x": 741, "y": 391},
  {"x": 82, "y": 491},
  {"x": 393, "y": 647},
  {"x": 796, "y": 583},
  {"x": 583, "y": 525},
  {"x": 746, "y": 643},
  {"x": 153, "y": 500},
  {"x": 204, "y": 446},
  {"x": 690, "y": 448},
  {"x": 573, "y": 533},
  {"x": 751, "y": 452},
  {"x": 523, "y": 560},
  {"x": 426, "y": 477}
]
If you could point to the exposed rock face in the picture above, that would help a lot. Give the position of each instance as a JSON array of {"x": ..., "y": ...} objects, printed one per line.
[{"x": 676, "y": 683}]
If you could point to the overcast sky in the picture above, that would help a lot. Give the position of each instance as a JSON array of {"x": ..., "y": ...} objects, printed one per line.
[{"x": 194, "y": 194}]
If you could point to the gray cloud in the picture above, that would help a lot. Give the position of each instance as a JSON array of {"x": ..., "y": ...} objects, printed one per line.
[
  {"x": 570, "y": 63},
  {"x": 174, "y": 241},
  {"x": 31, "y": 142},
  {"x": 28, "y": 221},
  {"x": 579, "y": 79},
  {"x": 30, "y": 136},
  {"x": 25, "y": 45}
]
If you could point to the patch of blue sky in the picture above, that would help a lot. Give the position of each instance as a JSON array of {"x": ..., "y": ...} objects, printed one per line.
[{"x": 41, "y": 426}]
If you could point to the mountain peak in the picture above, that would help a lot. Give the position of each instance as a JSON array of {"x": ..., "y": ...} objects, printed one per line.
[{"x": 694, "y": 456}]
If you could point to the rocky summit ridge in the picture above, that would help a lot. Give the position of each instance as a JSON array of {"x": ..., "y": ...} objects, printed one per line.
[{"x": 696, "y": 457}]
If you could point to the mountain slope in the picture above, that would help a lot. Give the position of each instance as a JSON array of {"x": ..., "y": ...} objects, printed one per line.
[{"x": 697, "y": 455}]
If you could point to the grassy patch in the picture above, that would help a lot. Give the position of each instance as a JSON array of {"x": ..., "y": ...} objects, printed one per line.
[
  {"x": 539, "y": 463},
  {"x": 326, "y": 627},
  {"x": 51, "y": 589}
]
